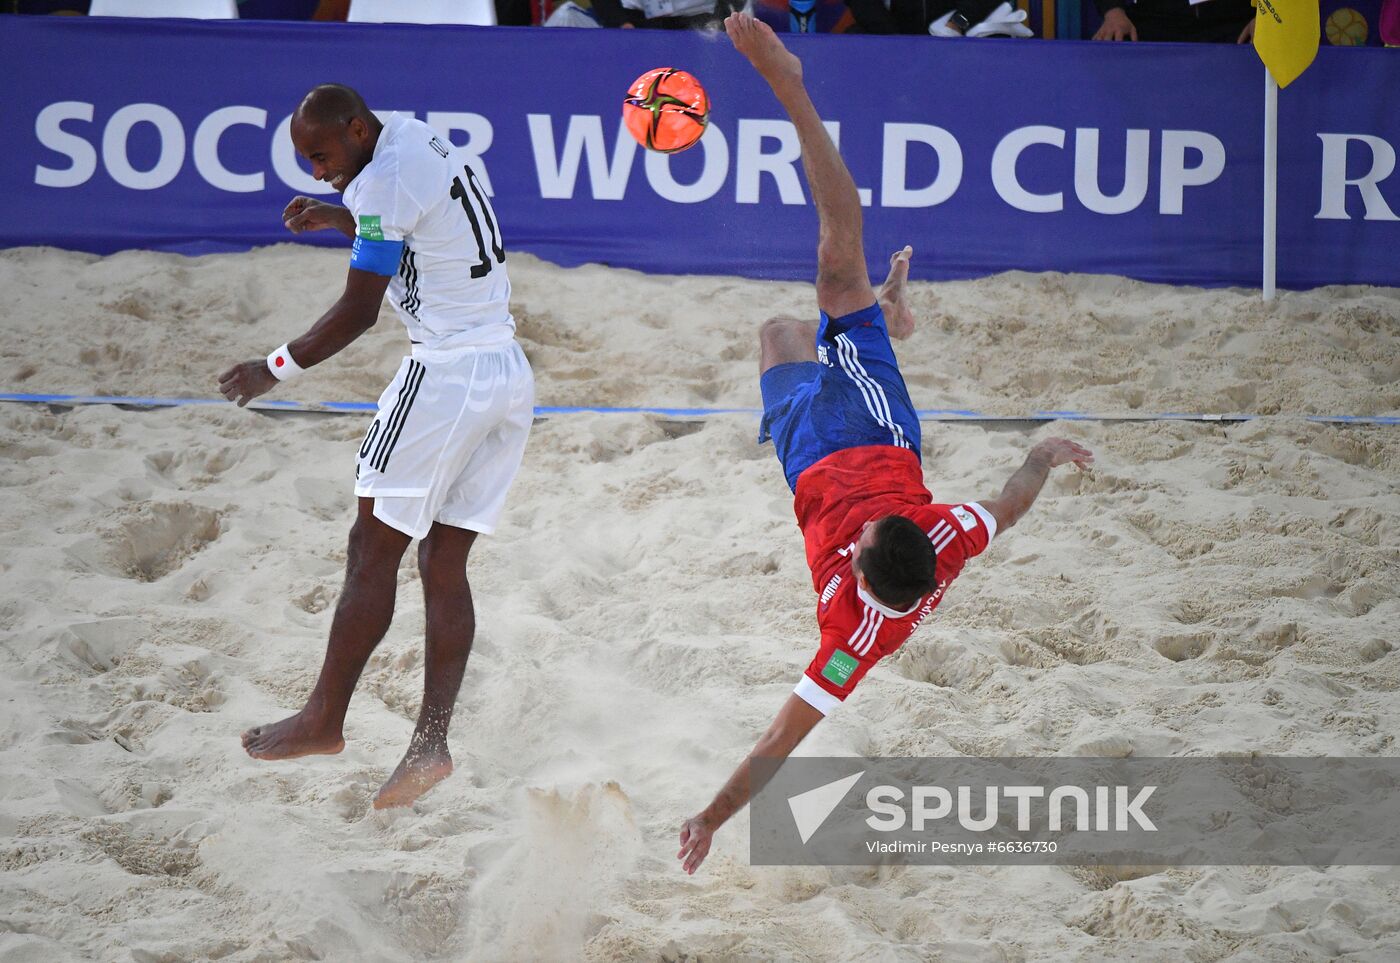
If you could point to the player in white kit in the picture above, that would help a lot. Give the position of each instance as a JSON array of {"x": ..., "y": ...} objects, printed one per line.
[{"x": 451, "y": 428}]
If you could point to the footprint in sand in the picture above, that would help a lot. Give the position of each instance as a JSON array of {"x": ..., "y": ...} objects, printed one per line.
[
  {"x": 72, "y": 732},
  {"x": 544, "y": 330},
  {"x": 95, "y": 647},
  {"x": 140, "y": 854},
  {"x": 192, "y": 686},
  {"x": 196, "y": 468},
  {"x": 148, "y": 542},
  {"x": 1374, "y": 650},
  {"x": 1183, "y": 646},
  {"x": 320, "y": 497},
  {"x": 943, "y": 665}
]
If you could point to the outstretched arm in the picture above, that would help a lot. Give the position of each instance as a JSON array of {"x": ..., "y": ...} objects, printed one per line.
[
  {"x": 1022, "y": 487},
  {"x": 350, "y": 317},
  {"x": 794, "y": 721}
]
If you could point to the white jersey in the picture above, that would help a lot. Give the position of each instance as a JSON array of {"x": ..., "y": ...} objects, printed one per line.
[{"x": 451, "y": 289}]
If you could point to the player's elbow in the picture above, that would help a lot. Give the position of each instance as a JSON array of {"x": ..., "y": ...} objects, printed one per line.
[
  {"x": 358, "y": 316},
  {"x": 1007, "y": 512},
  {"x": 767, "y": 747},
  {"x": 777, "y": 743}
]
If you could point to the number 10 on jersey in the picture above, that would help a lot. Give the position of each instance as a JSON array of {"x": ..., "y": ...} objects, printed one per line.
[{"x": 476, "y": 213}]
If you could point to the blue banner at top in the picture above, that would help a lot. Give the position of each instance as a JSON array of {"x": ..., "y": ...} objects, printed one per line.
[{"x": 986, "y": 155}]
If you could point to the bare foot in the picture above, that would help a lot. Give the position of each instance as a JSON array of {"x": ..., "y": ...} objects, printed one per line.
[
  {"x": 421, "y": 770},
  {"x": 757, "y": 41},
  {"x": 898, "y": 318},
  {"x": 290, "y": 738}
]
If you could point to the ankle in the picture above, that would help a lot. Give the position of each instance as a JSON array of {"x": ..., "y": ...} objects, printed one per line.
[
  {"x": 321, "y": 717},
  {"x": 428, "y": 744}
]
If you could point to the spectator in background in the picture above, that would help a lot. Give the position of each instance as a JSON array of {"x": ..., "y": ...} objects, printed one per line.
[
  {"x": 1390, "y": 23},
  {"x": 509, "y": 13},
  {"x": 663, "y": 14},
  {"x": 942, "y": 18},
  {"x": 1210, "y": 21}
]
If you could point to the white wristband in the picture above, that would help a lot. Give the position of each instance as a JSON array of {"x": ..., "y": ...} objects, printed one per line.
[{"x": 282, "y": 365}]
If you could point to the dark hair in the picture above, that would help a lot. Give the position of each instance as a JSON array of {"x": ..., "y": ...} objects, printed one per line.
[{"x": 899, "y": 564}]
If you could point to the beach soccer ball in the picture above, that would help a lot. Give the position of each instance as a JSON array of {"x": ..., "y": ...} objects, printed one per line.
[
  {"x": 666, "y": 110},
  {"x": 1346, "y": 28}
]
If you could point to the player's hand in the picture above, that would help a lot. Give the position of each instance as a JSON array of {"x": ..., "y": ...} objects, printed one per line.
[
  {"x": 1116, "y": 26},
  {"x": 1062, "y": 451},
  {"x": 695, "y": 843},
  {"x": 1247, "y": 34},
  {"x": 309, "y": 214},
  {"x": 244, "y": 382}
]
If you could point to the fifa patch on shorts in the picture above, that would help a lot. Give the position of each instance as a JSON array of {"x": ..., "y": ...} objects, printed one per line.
[
  {"x": 839, "y": 667},
  {"x": 370, "y": 228},
  {"x": 965, "y": 518}
]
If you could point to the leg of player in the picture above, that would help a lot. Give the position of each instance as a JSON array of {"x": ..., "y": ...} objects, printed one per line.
[
  {"x": 899, "y": 320},
  {"x": 442, "y": 563},
  {"x": 789, "y": 340},
  {"x": 843, "y": 284},
  {"x": 361, "y": 618},
  {"x": 786, "y": 341}
]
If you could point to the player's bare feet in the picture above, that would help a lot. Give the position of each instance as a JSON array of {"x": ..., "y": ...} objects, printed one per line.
[
  {"x": 298, "y": 736},
  {"x": 757, "y": 41},
  {"x": 422, "y": 768},
  {"x": 898, "y": 318}
]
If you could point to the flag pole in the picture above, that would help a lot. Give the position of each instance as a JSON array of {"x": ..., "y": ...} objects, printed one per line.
[{"x": 1270, "y": 182}]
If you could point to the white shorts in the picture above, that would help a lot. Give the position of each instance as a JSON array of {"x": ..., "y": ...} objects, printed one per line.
[{"x": 448, "y": 438}]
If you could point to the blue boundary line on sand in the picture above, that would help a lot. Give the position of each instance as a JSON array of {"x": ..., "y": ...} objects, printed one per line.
[{"x": 930, "y": 414}]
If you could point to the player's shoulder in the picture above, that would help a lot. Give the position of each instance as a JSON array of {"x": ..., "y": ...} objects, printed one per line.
[
  {"x": 411, "y": 137},
  {"x": 840, "y": 610},
  {"x": 411, "y": 150},
  {"x": 967, "y": 516},
  {"x": 860, "y": 623}
]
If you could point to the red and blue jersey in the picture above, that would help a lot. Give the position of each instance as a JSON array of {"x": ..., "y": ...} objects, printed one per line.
[{"x": 834, "y": 499}]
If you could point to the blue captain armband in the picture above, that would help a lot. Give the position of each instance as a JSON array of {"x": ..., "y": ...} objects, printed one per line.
[{"x": 377, "y": 257}]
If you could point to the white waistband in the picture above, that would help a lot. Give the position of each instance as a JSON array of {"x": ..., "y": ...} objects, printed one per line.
[{"x": 421, "y": 352}]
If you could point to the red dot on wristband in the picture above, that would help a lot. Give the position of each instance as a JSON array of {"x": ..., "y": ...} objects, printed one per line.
[{"x": 280, "y": 361}]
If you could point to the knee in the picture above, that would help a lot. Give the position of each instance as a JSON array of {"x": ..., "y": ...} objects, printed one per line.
[
  {"x": 440, "y": 561},
  {"x": 429, "y": 559},
  {"x": 778, "y": 330},
  {"x": 374, "y": 544},
  {"x": 838, "y": 288}
]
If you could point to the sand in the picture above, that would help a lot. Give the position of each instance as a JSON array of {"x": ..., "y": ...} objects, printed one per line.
[{"x": 168, "y": 579}]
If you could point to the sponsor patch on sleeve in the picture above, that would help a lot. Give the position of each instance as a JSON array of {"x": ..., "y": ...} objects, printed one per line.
[
  {"x": 965, "y": 518},
  {"x": 370, "y": 227},
  {"x": 839, "y": 667}
]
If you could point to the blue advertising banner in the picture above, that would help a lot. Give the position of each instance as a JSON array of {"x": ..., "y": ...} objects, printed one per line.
[{"x": 986, "y": 155}]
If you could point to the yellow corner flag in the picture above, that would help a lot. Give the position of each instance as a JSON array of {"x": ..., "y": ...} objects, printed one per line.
[{"x": 1286, "y": 33}]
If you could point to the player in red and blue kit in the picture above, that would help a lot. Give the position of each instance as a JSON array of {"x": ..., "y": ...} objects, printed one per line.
[{"x": 881, "y": 551}]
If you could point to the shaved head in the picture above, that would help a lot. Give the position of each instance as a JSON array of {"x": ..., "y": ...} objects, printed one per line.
[
  {"x": 332, "y": 104},
  {"x": 334, "y": 130}
]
